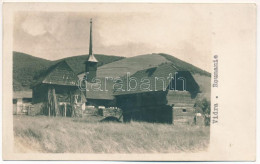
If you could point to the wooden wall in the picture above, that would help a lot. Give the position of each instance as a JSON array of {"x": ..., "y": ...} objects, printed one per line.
[
  {"x": 149, "y": 106},
  {"x": 64, "y": 95},
  {"x": 162, "y": 106},
  {"x": 183, "y": 106},
  {"x": 101, "y": 102}
]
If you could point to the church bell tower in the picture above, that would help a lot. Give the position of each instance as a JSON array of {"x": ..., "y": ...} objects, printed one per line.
[{"x": 91, "y": 63}]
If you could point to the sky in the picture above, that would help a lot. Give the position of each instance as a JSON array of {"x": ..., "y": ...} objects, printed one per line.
[{"x": 184, "y": 32}]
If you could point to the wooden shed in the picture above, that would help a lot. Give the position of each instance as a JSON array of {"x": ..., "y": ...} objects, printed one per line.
[
  {"x": 166, "y": 101},
  {"x": 57, "y": 92},
  {"x": 22, "y": 101}
]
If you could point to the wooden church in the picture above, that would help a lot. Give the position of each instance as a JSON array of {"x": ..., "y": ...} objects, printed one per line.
[
  {"x": 57, "y": 93},
  {"x": 91, "y": 63},
  {"x": 95, "y": 97}
]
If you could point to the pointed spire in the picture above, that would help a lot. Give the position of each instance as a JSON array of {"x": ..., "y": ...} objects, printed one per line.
[{"x": 91, "y": 57}]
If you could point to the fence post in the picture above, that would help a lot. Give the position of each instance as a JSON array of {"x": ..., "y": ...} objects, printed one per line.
[{"x": 65, "y": 108}]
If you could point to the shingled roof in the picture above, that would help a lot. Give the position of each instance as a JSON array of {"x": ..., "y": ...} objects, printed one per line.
[
  {"x": 59, "y": 74},
  {"x": 104, "y": 93},
  {"x": 162, "y": 71}
]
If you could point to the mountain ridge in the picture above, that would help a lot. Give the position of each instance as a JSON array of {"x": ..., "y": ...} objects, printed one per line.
[{"x": 27, "y": 68}]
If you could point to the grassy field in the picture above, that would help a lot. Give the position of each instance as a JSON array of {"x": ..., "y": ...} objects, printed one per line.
[{"x": 86, "y": 135}]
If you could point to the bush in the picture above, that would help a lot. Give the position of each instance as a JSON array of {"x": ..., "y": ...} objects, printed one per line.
[{"x": 203, "y": 105}]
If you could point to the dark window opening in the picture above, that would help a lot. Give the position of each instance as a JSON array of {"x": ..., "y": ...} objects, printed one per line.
[
  {"x": 184, "y": 110},
  {"x": 14, "y": 101}
]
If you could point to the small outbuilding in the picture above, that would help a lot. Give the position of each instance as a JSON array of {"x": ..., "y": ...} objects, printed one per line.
[
  {"x": 22, "y": 101},
  {"x": 163, "y": 94}
]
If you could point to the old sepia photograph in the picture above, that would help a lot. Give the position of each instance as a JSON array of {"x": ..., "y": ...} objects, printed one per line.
[
  {"x": 109, "y": 82},
  {"x": 126, "y": 79}
]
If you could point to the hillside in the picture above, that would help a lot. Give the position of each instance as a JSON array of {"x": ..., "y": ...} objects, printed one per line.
[
  {"x": 182, "y": 65},
  {"x": 141, "y": 62},
  {"x": 78, "y": 66},
  {"x": 24, "y": 68},
  {"x": 202, "y": 77},
  {"x": 136, "y": 63},
  {"x": 27, "y": 68},
  {"x": 131, "y": 65}
]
